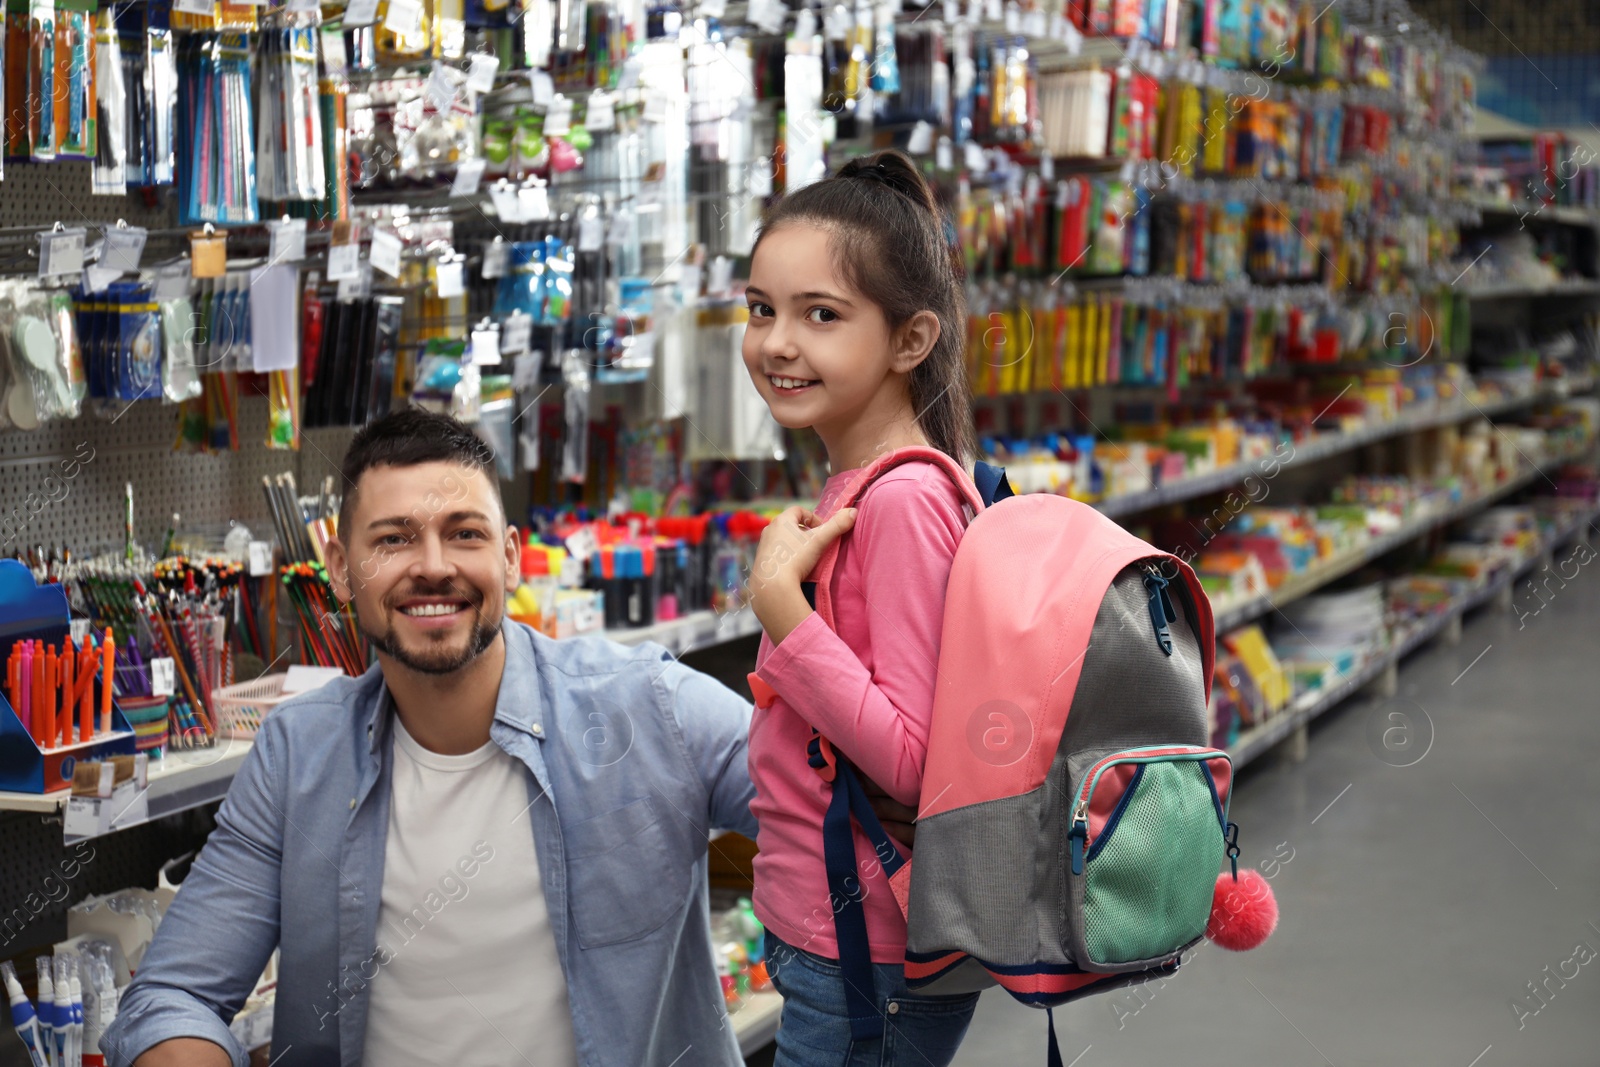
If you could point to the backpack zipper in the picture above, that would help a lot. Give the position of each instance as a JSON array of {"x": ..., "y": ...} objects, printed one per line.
[
  {"x": 1078, "y": 834},
  {"x": 1162, "y": 613}
]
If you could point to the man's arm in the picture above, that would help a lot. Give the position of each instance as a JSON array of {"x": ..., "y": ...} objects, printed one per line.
[
  {"x": 215, "y": 938},
  {"x": 715, "y": 724}
]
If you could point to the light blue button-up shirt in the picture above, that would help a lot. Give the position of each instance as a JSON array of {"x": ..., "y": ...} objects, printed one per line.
[{"x": 632, "y": 760}]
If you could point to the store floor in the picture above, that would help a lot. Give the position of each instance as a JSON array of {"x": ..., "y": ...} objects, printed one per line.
[{"x": 1418, "y": 902}]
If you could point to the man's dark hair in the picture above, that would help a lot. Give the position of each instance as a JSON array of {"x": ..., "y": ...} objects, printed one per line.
[{"x": 406, "y": 439}]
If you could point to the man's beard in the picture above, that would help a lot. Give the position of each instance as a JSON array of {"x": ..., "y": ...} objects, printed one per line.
[{"x": 440, "y": 661}]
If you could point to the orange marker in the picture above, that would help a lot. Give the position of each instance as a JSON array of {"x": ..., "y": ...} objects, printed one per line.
[
  {"x": 14, "y": 680},
  {"x": 86, "y": 678},
  {"x": 43, "y": 712},
  {"x": 52, "y": 677},
  {"x": 108, "y": 650}
]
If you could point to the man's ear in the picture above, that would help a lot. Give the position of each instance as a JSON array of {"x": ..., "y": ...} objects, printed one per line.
[
  {"x": 914, "y": 340},
  {"x": 338, "y": 569},
  {"x": 513, "y": 560}
]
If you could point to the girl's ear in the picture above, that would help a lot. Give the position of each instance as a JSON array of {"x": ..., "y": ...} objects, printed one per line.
[{"x": 914, "y": 340}]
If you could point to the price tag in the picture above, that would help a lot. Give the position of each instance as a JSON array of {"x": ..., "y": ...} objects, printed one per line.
[
  {"x": 95, "y": 279},
  {"x": 260, "y": 562},
  {"x": 124, "y": 245},
  {"x": 486, "y": 346},
  {"x": 534, "y": 201},
  {"x": 507, "y": 205},
  {"x": 469, "y": 175},
  {"x": 163, "y": 678},
  {"x": 403, "y": 17},
  {"x": 61, "y": 252},
  {"x": 79, "y": 629},
  {"x": 359, "y": 285},
  {"x": 591, "y": 233},
  {"x": 129, "y": 805},
  {"x": 480, "y": 79},
  {"x": 543, "y": 88},
  {"x": 944, "y": 155},
  {"x": 975, "y": 159},
  {"x": 921, "y": 139},
  {"x": 602, "y": 113},
  {"x": 288, "y": 241},
  {"x": 713, "y": 9},
  {"x": 496, "y": 258},
  {"x": 805, "y": 26},
  {"x": 82, "y": 818},
  {"x": 558, "y": 119},
  {"x": 203, "y": 8},
  {"x": 360, "y": 12},
  {"x": 525, "y": 372},
  {"x": 344, "y": 261},
  {"x": 386, "y": 248},
  {"x": 516, "y": 334},
  {"x": 583, "y": 544},
  {"x": 441, "y": 87},
  {"x": 449, "y": 280},
  {"x": 305, "y": 6}
]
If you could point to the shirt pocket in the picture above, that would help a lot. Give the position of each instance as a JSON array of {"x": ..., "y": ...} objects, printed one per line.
[{"x": 626, "y": 878}]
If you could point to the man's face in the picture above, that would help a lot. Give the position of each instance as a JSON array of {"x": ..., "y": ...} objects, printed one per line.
[{"x": 428, "y": 559}]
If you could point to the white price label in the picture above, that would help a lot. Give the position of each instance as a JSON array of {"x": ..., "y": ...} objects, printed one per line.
[
  {"x": 95, "y": 279},
  {"x": 507, "y": 205},
  {"x": 344, "y": 261},
  {"x": 516, "y": 334},
  {"x": 469, "y": 176},
  {"x": 534, "y": 201},
  {"x": 82, "y": 818},
  {"x": 486, "y": 346},
  {"x": 558, "y": 119},
  {"x": 481, "y": 77},
  {"x": 386, "y": 248},
  {"x": 360, "y": 12},
  {"x": 943, "y": 155},
  {"x": 288, "y": 241},
  {"x": 305, "y": 6},
  {"x": 124, "y": 246},
  {"x": 203, "y": 8},
  {"x": 260, "y": 562},
  {"x": 441, "y": 88},
  {"x": 713, "y": 9},
  {"x": 655, "y": 105},
  {"x": 591, "y": 233},
  {"x": 583, "y": 544},
  {"x": 543, "y": 88},
  {"x": 602, "y": 113},
  {"x": 129, "y": 806},
  {"x": 359, "y": 285},
  {"x": 921, "y": 139},
  {"x": 403, "y": 17},
  {"x": 496, "y": 258},
  {"x": 449, "y": 280},
  {"x": 79, "y": 629},
  {"x": 992, "y": 11},
  {"x": 525, "y": 371},
  {"x": 61, "y": 252},
  {"x": 163, "y": 677}
]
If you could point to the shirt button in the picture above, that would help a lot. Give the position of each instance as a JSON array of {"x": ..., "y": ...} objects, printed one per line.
[
  {"x": 894, "y": 1007},
  {"x": 352, "y": 803},
  {"x": 538, "y": 731}
]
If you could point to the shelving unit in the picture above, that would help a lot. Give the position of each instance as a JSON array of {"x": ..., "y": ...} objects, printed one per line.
[{"x": 1256, "y": 741}]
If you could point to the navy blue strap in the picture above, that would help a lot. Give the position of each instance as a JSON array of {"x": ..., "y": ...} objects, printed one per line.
[
  {"x": 846, "y": 893},
  {"x": 1052, "y": 1056},
  {"x": 991, "y": 482}
]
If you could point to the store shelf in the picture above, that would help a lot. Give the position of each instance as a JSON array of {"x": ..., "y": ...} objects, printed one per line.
[
  {"x": 1530, "y": 211},
  {"x": 177, "y": 782},
  {"x": 1235, "y": 615},
  {"x": 755, "y": 1022},
  {"x": 1322, "y": 446},
  {"x": 1525, "y": 292},
  {"x": 695, "y": 630},
  {"x": 1257, "y": 740}
]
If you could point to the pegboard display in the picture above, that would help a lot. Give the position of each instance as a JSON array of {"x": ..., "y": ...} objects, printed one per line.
[
  {"x": 40, "y": 878},
  {"x": 65, "y": 482},
  {"x": 38, "y": 194}
]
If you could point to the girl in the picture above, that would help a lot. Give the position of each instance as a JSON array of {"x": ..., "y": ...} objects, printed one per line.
[{"x": 856, "y": 324}]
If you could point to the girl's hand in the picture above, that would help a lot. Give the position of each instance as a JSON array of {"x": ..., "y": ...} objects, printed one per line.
[{"x": 790, "y": 547}]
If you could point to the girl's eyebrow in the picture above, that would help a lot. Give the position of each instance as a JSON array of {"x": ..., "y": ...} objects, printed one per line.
[{"x": 813, "y": 294}]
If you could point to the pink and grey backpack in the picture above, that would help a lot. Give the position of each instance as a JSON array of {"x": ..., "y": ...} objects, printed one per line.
[{"x": 1073, "y": 817}]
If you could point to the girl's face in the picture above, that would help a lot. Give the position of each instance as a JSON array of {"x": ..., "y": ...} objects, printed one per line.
[{"x": 818, "y": 351}]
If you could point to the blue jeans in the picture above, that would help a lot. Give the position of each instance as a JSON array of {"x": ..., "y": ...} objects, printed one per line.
[{"x": 918, "y": 1031}]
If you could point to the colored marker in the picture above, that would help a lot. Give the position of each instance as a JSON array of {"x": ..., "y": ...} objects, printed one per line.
[{"x": 108, "y": 650}]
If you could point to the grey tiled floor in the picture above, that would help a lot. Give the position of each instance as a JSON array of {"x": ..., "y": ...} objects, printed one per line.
[{"x": 1420, "y": 901}]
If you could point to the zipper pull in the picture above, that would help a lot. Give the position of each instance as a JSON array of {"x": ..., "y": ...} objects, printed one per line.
[
  {"x": 1161, "y": 612},
  {"x": 1078, "y": 835},
  {"x": 1231, "y": 836}
]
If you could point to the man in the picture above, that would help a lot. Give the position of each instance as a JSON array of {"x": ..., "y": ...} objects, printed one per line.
[{"x": 489, "y": 849}]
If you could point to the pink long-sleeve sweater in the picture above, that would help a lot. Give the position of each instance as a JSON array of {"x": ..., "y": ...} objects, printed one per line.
[{"x": 868, "y": 688}]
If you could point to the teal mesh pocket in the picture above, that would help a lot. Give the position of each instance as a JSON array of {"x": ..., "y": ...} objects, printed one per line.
[{"x": 1148, "y": 881}]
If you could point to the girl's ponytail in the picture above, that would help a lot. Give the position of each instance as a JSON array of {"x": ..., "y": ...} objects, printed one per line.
[{"x": 888, "y": 238}]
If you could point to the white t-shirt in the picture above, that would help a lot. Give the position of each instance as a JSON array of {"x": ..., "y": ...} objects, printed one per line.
[{"x": 467, "y": 973}]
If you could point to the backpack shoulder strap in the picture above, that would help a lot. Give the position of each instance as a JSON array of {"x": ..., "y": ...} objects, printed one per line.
[{"x": 822, "y": 575}]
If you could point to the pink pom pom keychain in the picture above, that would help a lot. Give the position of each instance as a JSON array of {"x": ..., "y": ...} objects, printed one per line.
[{"x": 1244, "y": 911}]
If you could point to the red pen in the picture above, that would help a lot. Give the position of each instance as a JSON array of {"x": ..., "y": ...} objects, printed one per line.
[
  {"x": 108, "y": 650},
  {"x": 43, "y": 714},
  {"x": 47, "y": 695}
]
